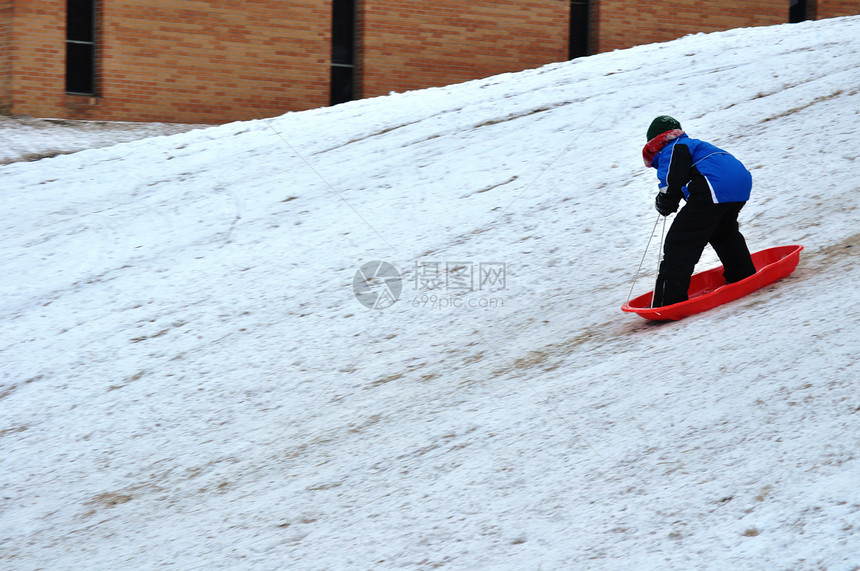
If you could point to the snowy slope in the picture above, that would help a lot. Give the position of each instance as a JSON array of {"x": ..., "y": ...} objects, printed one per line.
[
  {"x": 25, "y": 138},
  {"x": 188, "y": 379}
]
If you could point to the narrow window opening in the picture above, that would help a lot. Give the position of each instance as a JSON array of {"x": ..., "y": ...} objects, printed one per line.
[
  {"x": 342, "y": 87},
  {"x": 798, "y": 11},
  {"x": 579, "y": 28},
  {"x": 81, "y": 46}
]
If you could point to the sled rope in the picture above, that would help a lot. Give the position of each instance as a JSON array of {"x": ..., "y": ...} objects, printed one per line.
[
  {"x": 642, "y": 261},
  {"x": 659, "y": 256}
]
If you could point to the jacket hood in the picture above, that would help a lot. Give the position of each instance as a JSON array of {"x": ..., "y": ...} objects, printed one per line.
[{"x": 655, "y": 145}]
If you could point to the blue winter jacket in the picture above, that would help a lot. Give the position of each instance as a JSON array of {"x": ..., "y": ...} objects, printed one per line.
[{"x": 691, "y": 166}]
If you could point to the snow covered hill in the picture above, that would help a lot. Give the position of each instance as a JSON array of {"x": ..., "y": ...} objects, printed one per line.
[
  {"x": 188, "y": 379},
  {"x": 29, "y": 139}
]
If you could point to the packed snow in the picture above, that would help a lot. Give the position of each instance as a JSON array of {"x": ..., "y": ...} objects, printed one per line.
[
  {"x": 189, "y": 379},
  {"x": 26, "y": 138}
]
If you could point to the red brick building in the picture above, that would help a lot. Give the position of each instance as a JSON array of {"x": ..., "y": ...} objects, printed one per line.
[{"x": 217, "y": 61}]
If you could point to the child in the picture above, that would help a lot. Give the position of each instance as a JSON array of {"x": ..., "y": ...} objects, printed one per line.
[{"x": 715, "y": 186}]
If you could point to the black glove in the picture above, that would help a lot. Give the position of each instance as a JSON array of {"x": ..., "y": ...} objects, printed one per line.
[{"x": 665, "y": 204}]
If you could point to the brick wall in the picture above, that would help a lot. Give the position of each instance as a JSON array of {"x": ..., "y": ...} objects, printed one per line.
[
  {"x": 189, "y": 61},
  {"x": 39, "y": 60},
  {"x": 207, "y": 61},
  {"x": 407, "y": 44},
  {"x": 5, "y": 56},
  {"x": 624, "y": 24},
  {"x": 835, "y": 8}
]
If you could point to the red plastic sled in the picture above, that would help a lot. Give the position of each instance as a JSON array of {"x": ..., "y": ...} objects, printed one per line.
[{"x": 708, "y": 289}]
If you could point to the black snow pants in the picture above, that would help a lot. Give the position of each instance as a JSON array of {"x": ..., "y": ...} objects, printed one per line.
[{"x": 701, "y": 222}]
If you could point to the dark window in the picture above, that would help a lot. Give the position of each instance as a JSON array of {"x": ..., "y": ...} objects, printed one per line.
[
  {"x": 342, "y": 84},
  {"x": 797, "y": 11},
  {"x": 342, "y": 51},
  {"x": 579, "y": 27},
  {"x": 81, "y": 46}
]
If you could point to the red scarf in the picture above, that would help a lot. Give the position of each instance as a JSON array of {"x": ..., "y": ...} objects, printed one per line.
[{"x": 655, "y": 145}]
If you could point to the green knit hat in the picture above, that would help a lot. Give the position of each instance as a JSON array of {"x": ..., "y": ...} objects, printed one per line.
[{"x": 662, "y": 124}]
